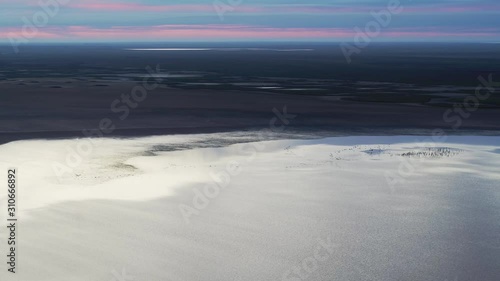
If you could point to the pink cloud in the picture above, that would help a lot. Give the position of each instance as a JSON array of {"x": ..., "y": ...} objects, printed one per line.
[
  {"x": 274, "y": 9},
  {"x": 139, "y": 7},
  {"x": 427, "y": 9},
  {"x": 121, "y": 6},
  {"x": 201, "y": 32},
  {"x": 227, "y": 32},
  {"x": 451, "y": 9},
  {"x": 247, "y": 7},
  {"x": 13, "y": 32}
]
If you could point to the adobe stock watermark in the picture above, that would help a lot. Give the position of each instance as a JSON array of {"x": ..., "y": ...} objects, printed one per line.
[
  {"x": 121, "y": 107},
  {"x": 221, "y": 180},
  {"x": 40, "y": 19},
  {"x": 310, "y": 264},
  {"x": 455, "y": 117},
  {"x": 121, "y": 276},
  {"x": 471, "y": 103},
  {"x": 372, "y": 29},
  {"x": 408, "y": 166},
  {"x": 222, "y": 7}
]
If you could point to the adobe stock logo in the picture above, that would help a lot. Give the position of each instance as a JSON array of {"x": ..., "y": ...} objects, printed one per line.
[
  {"x": 222, "y": 180},
  {"x": 121, "y": 276},
  {"x": 373, "y": 28},
  {"x": 224, "y": 6},
  {"x": 319, "y": 257},
  {"x": 31, "y": 26}
]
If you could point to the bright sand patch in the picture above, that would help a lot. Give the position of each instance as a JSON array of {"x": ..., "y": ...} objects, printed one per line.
[{"x": 124, "y": 207}]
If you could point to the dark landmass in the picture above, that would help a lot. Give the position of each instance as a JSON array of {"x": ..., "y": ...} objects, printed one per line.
[{"x": 56, "y": 91}]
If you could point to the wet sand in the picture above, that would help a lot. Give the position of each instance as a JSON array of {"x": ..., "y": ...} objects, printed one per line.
[{"x": 30, "y": 112}]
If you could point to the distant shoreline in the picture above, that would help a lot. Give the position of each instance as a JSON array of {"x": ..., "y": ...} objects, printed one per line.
[{"x": 289, "y": 133}]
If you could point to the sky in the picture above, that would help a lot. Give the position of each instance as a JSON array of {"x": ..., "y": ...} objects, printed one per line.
[{"x": 248, "y": 20}]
